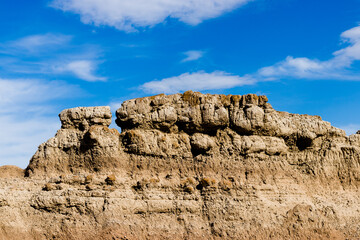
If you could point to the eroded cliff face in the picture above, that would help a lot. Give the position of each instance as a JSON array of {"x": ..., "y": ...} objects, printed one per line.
[
  {"x": 83, "y": 144},
  {"x": 188, "y": 166}
]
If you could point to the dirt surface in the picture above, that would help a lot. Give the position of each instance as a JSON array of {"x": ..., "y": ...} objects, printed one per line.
[{"x": 9, "y": 171}]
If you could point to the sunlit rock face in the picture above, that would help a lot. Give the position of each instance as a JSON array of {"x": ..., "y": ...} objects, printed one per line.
[
  {"x": 195, "y": 112},
  {"x": 187, "y": 166},
  {"x": 83, "y": 144}
]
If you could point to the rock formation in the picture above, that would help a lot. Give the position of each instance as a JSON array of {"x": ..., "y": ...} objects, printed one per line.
[
  {"x": 188, "y": 166},
  {"x": 83, "y": 144},
  {"x": 9, "y": 171}
]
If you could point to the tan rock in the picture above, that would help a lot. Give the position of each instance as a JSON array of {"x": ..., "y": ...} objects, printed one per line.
[
  {"x": 202, "y": 143},
  {"x": 84, "y": 117},
  {"x": 9, "y": 171},
  {"x": 196, "y": 112},
  {"x": 187, "y": 166},
  {"x": 84, "y": 144}
]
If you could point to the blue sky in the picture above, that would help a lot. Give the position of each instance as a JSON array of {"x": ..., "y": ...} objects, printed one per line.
[{"x": 56, "y": 54}]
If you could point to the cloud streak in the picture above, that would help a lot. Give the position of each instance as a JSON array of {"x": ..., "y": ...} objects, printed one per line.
[
  {"x": 29, "y": 107},
  {"x": 339, "y": 67},
  {"x": 196, "y": 81},
  {"x": 19, "y": 138},
  {"x": 51, "y": 54},
  {"x": 25, "y": 106},
  {"x": 83, "y": 69},
  {"x": 130, "y": 15},
  {"x": 27, "y": 92},
  {"x": 36, "y": 43},
  {"x": 350, "y": 128},
  {"x": 193, "y": 55}
]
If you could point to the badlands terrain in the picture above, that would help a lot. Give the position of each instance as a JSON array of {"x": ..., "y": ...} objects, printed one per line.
[{"x": 186, "y": 166}]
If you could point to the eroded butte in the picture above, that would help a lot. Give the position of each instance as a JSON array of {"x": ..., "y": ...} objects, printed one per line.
[{"x": 187, "y": 166}]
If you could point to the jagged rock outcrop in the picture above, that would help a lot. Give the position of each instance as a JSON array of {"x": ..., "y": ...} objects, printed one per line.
[
  {"x": 188, "y": 166},
  {"x": 83, "y": 144},
  {"x": 195, "y": 112}
]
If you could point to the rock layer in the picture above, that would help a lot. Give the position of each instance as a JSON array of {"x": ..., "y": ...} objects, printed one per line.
[
  {"x": 188, "y": 166},
  {"x": 195, "y": 112}
]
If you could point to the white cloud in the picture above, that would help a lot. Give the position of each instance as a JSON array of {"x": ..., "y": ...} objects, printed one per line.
[
  {"x": 193, "y": 55},
  {"x": 350, "y": 128},
  {"x": 25, "y": 106},
  {"x": 35, "y": 43},
  {"x": 336, "y": 68},
  {"x": 196, "y": 81},
  {"x": 339, "y": 67},
  {"x": 83, "y": 69},
  {"x": 23, "y": 93},
  {"x": 51, "y": 54},
  {"x": 128, "y": 15},
  {"x": 20, "y": 137}
]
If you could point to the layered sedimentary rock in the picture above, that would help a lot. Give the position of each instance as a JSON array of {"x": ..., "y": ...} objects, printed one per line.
[
  {"x": 194, "y": 112},
  {"x": 83, "y": 144},
  {"x": 188, "y": 166}
]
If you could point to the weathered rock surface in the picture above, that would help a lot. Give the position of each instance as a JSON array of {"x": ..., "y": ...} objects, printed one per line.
[
  {"x": 83, "y": 117},
  {"x": 195, "y": 112},
  {"x": 9, "y": 171},
  {"x": 188, "y": 166},
  {"x": 83, "y": 144}
]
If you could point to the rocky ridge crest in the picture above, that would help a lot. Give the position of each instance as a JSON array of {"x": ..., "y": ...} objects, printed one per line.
[{"x": 189, "y": 166}]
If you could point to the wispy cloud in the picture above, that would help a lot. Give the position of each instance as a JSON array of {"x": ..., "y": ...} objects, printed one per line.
[
  {"x": 336, "y": 68},
  {"x": 52, "y": 54},
  {"x": 36, "y": 43},
  {"x": 193, "y": 55},
  {"x": 129, "y": 15},
  {"x": 196, "y": 81},
  {"x": 83, "y": 69},
  {"x": 339, "y": 67},
  {"x": 27, "y": 116},
  {"x": 19, "y": 137},
  {"x": 25, "y": 94},
  {"x": 350, "y": 128},
  {"x": 29, "y": 107}
]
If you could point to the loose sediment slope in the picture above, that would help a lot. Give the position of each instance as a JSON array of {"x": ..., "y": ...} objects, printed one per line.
[{"x": 188, "y": 166}]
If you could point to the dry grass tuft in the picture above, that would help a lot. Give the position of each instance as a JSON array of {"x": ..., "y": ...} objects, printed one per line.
[
  {"x": 189, "y": 189},
  {"x": 207, "y": 182},
  {"x": 49, "y": 187},
  {"x": 110, "y": 180},
  {"x": 225, "y": 185},
  {"x": 89, "y": 179},
  {"x": 188, "y": 185},
  {"x": 188, "y": 181}
]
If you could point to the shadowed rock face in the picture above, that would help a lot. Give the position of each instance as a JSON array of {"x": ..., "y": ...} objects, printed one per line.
[{"x": 188, "y": 166}]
